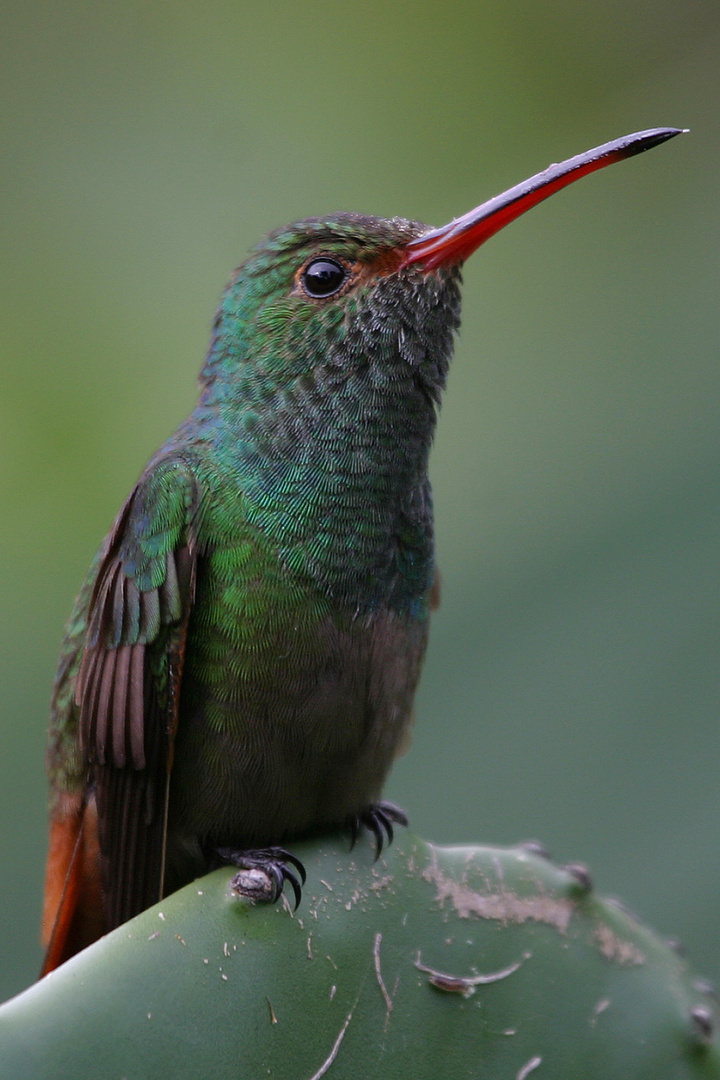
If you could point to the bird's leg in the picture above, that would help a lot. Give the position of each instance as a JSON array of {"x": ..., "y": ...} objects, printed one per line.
[
  {"x": 262, "y": 872},
  {"x": 379, "y": 818}
]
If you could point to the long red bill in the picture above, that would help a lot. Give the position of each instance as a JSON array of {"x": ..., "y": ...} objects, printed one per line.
[{"x": 455, "y": 242}]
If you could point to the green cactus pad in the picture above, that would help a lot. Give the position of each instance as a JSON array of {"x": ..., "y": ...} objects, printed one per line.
[{"x": 432, "y": 962}]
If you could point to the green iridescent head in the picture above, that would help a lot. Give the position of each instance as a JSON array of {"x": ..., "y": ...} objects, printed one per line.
[{"x": 331, "y": 293}]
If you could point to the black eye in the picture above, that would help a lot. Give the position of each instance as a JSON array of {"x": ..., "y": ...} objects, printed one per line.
[{"x": 323, "y": 277}]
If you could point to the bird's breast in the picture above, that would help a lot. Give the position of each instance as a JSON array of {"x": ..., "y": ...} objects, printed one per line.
[{"x": 292, "y": 707}]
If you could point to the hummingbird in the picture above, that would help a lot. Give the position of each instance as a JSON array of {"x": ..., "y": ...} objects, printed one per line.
[{"x": 240, "y": 665}]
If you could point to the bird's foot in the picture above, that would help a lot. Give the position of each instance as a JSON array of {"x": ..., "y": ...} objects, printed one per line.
[
  {"x": 262, "y": 873},
  {"x": 379, "y": 818}
]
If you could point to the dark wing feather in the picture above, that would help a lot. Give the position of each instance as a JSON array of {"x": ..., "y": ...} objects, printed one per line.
[{"x": 128, "y": 686}]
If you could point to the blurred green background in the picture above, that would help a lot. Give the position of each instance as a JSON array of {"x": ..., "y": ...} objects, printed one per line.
[{"x": 571, "y": 691}]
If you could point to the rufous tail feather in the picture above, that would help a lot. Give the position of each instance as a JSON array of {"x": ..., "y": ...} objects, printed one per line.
[{"x": 73, "y": 911}]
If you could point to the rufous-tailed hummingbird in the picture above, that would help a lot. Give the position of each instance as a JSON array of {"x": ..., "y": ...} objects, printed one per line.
[{"x": 240, "y": 665}]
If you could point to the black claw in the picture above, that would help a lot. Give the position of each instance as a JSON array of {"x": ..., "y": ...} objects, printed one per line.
[
  {"x": 277, "y": 877},
  {"x": 379, "y": 819},
  {"x": 386, "y": 823},
  {"x": 280, "y": 855},
  {"x": 295, "y": 886},
  {"x": 396, "y": 813},
  {"x": 278, "y": 865},
  {"x": 373, "y": 824}
]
